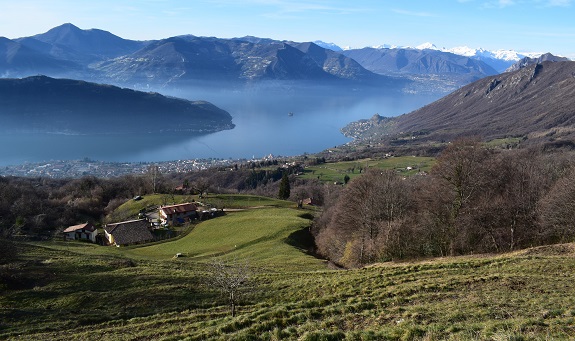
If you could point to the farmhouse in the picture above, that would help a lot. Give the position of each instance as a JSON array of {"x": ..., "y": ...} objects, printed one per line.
[
  {"x": 176, "y": 214},
  {"x": 128, "y": 232},
  {"x": 85, "y": 231}
]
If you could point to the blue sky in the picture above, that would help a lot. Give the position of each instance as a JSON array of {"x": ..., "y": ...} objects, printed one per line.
[{"x": 521, "y": 25}]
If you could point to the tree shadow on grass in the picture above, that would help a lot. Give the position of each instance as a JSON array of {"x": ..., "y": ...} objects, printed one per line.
[{"x": 303, "y": 239}]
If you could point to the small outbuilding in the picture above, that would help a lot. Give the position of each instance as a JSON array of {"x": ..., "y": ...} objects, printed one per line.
[
  {"x": 128, "y": 232},
  {"x": 309, "y": 202},
  {"x": 85, "y": 231},
  {"x": 177, "y": 214}
]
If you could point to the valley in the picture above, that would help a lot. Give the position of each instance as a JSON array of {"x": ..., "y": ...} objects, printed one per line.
[{"x": 205, "y": 188}]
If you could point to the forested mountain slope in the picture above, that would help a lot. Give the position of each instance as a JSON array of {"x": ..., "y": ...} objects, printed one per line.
[{"x": 62, "y": 105}]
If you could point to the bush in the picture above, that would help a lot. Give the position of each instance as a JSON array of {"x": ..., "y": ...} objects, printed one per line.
[{"x": 8, "y": 251}]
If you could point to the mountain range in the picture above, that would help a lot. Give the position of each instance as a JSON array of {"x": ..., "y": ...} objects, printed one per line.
[
  {"x": 400, "y": 61},
  {"x": 97, "y": 55},
  {"x": 500, "y": 60},
  {"x": 44, "y": 104},
  {"x": 533, "y": 104},
  {"x": 189, "y": 58}
]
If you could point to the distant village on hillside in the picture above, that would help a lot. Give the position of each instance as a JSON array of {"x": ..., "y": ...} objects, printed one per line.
[{"x": 86, "y": 167}]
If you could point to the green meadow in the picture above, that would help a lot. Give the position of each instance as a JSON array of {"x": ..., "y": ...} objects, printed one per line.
[
  {"x": 267, "y": 238},
  {"x": 59, "y": 290},
  {"x": 336, "y": 171},
  {"x": 151, "y": 203}
]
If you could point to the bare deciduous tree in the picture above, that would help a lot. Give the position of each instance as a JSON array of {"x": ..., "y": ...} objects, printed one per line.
[
  {"x": 230, "y": 278},
  {"x": 557, "y": 211},
  {"x": 461, "y": 170},
  {"x": 201, "y": 185},
  {"x": 154, "y": 176},
  {"x": 367, "y": 219}
]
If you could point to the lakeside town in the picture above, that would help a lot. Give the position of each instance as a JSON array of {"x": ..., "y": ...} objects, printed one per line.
[{"x": 87, "y": 167}]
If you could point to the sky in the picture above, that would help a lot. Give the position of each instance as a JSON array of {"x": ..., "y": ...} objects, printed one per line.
[{"x": 520, "y": 25}]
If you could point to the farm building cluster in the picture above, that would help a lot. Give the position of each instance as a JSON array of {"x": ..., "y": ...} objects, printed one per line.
[{"x": 141, "y": 230}]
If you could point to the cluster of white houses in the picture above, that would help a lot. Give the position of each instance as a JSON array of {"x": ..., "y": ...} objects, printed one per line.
[{"x": 134, "y": 231}]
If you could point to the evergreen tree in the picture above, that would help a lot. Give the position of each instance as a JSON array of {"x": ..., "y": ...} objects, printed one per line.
[
  {"x": 346, "y": 179},
  {"x": 284, "y": 191}
]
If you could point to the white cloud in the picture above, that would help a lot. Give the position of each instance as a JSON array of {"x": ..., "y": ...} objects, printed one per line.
[
  {"x": 556, "y": 3},
  {"x": 509, "y": 3},
  {"x": 285, "y": 6},
  {"x": 506, "y": 3},
  {"x": 413, "y": 14}
]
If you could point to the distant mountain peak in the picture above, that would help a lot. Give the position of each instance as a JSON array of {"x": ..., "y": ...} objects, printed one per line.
[
  {"x": 69, "y": 42},
  {"x": 68, "y": 25},
  {"x": 385, "y": 46},
  {"x": 329, "y": 46},
  {"x": 427, "y": 46},
  {"x": 63, "y": 30},
  {"x": 526, "y": 61}
]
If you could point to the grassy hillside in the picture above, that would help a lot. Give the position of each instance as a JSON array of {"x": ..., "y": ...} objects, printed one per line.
[
  {"x": 336, "y": 171},
  {"x": 150, "y": 203},
  {"x": 266, "y": 238},
  {"x": 78, "y": 291}
]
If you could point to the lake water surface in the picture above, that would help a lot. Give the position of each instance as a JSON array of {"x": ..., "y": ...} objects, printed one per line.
[{"x": 263, "y": 127}]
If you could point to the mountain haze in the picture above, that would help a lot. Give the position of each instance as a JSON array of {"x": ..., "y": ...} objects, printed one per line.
[
  {"x": 95, "y": 55},
  {"x": 189, "y": 58},
  {"x": 421, "y": 62},
  {"x": 17, "y": 59},
  {"x": 335, "y": 63}
]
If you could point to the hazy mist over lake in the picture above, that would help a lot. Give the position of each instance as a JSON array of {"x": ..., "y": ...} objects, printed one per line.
[{"x": 260, "y": 114}]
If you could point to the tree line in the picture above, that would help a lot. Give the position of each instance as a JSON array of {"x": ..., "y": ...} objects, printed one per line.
[
  {"x": 42, "y": 207},
  {"x": 475, "y": 200}
]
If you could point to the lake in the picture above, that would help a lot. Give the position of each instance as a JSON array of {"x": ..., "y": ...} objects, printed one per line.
[{"x": 263, "y": 126}]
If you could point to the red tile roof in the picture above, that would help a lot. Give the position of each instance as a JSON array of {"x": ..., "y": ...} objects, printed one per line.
[
  {"x": 86, "y": 226},
  {"x": 181, "y": 208}
]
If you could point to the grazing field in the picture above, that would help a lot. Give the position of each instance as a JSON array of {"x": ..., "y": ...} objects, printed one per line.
[
  {"x": 147, "y": 203},
  {"x": 79, "y": 291},
  {"x": 336, "y": 171},
  {"x": 150, "y": 203},
  {"x": 244, "y": 201},
  {"x": 267, "y": 238}
]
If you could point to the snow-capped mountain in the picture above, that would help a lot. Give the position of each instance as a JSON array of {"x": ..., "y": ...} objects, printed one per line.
[
  {"x": 384, "y": 46},
  {"x": 427, "y": 46},
  {"x": 328, "y": 46},
  {"x": 547, "y": 57},
  {"x": 507, "y": 55},
  {"x": 500, "y": 60}
]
